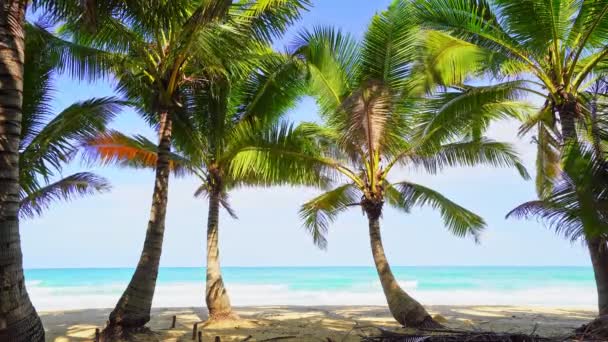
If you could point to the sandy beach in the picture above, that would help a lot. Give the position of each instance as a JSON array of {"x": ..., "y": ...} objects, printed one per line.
[{"x": 317, "y": 323}]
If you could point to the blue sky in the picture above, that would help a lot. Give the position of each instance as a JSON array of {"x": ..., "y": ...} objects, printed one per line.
[{"x": 108, "y": 230}]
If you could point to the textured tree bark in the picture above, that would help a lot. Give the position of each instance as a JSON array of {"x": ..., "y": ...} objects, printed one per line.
[
  {"x": 405, "y": 309},
  {"x": 216, "y": 295},
  {"x": 598, "y": 250},
  {"x": 19, "y": 321},
  {"x": 133, "y": 309},
  {"x": 568, "y": 112}
]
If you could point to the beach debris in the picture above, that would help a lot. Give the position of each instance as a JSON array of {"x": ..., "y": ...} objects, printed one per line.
[
  {"x": 596, "y": 330},
  {"x": 200, "y": 336},
  {"x": 247, "y": 338},
  {"x": 440, "y": 318},
  {"x": 279, "y": 338},
  {"x": 194, "y": 329},
  {"x": 96, "y": 334},
  {"x": 173, "y": 322},
  {"x": 218, "y": 339},
  {"x": 450, "y": 335}
]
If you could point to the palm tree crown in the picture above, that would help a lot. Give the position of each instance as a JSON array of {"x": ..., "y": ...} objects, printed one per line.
[
  {"x": 556, "y": 56},
  {"x": 372, "y": 102}
]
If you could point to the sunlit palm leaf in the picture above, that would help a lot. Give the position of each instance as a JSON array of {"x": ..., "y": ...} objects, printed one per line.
[
  {"x": 115, "y": 148},
  {"x": 276, "y": 155}
]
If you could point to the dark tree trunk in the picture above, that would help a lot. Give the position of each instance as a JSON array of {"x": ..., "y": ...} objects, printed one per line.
[
  {"x": 568, "y": 112},
  {"x": 598, "y": 250},
  {"x": 216, "y": 295},
  {"x": 133, "y": 309},
  {"x": 19, "y": 321},
  {"x": 405, "y": 309}
]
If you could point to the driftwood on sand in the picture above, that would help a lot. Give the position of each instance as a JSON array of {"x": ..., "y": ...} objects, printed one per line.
[{"x": 447, "y": 335}]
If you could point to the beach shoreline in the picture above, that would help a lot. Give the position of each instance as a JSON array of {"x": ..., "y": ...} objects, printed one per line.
[{"x": 316, "y": 323}]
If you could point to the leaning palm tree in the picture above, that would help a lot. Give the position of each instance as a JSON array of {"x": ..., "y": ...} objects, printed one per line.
[
  {"x": 164, "y": 45},
  {"x": 558, "y": 55},
  {"x": 369, "y": 100},
  {"x": 234, "y": 142}
]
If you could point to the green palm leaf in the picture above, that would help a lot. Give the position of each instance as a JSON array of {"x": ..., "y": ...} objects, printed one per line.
[
  {"x": 319, "y": 212},
  {"x": 470, "y": 153},
  {"x": 34, "y": 203},
  {"x": 460, "y": 221}
]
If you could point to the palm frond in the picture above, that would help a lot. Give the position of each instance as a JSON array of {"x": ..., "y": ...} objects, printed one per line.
[
  {"x": 267, "y": 19},
  {"x": 469, "y": 110},
  {"x": 279, "y": 154},
  {"x": 577, "y": 205},
  {"x": 55, "y": 142},
  {"x": 389, "y": 46},
  {"x": 332, "y": 59},
  {"x": 77, "y": 60},
  {"x": 271, "y": 89},
  {"x": 470, "y": 153},
  {"x": 460, "y": 221},
  {"x": 115, "y": 148},
  {"x": 562, "y": 220},
  {"x": 319, "y": 212},
  {"x": 369, "y": 109},
  {"x": 34, "y": 203}
]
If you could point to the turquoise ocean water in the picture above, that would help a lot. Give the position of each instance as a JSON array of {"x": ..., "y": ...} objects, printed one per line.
[{"x": 53, "y": 289}]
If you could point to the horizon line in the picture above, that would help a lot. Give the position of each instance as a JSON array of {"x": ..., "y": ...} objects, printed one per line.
[{"x": 300, "y": 266}]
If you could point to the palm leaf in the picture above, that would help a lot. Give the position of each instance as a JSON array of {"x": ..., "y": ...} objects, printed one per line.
[
  {"x": 115, "y": 148},
  {"x": 34, "y": 203},
  {"x": 319, "y": 212},
  {"x": 460, "y": 221},
  {"x": 469, "y": 153},
  {"x": 279, "y": 154}
]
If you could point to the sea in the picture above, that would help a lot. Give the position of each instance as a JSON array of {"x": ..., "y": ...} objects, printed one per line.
[{"x": 79, "y": 288}]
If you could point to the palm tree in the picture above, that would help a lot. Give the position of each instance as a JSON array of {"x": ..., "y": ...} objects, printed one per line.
[
  {"x": 369, "y": 99},
  {"x": 576, "y": 208},
  {"x": 234, "y": 142},
  {"x": 164, "y": 45},
  {"x": 558, "y": 55},
  {"x": 29, "y": 150}
]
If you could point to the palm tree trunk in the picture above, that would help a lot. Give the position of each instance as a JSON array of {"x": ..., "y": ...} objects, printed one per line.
[
  {"x": 18, "y": 318},
  {"x": 133, "y": 309},
  {"x": 598, "y": 250},
  {"x": 216, "y": 295},
  {"x": 568, "y": 112},
  {"x": 405, "y": 309}
]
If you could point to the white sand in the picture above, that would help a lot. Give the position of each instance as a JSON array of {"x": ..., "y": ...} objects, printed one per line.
[{"x": 317, "y": 323}]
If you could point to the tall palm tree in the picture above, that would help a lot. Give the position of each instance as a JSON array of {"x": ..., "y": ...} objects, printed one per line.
[
  {"x": 370, "y": 100},
  {"x": 235, "y": 142},
  {"x": 18, "y": 318},
  {"x": 559, "y": 55},
  {"x": 164, "y": 45}
]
